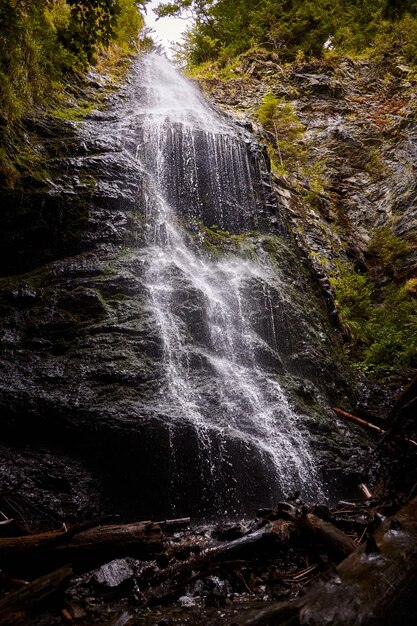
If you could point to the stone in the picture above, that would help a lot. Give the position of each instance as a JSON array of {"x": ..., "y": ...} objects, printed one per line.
[
  {"x": 228, "y": 532},
  {"x": 113, "y": 575}
]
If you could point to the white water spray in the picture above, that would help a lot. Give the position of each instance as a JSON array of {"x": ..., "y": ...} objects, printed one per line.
[{"x": 198, "y": 168}]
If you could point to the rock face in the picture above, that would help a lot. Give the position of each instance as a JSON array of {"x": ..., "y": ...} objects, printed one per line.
[
  {"x": 114, "y": 575},
  {"x": 87, "y": 388},
  {"x": 360, "y": 126}
]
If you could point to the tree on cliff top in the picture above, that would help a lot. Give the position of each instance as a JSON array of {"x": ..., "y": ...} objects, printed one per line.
[
  {"x": 40, "y": 40},
  {"x": 224, "y": 28}
]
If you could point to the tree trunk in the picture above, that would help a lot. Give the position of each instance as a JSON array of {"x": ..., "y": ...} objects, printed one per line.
[{"x": 86, "y": 548}]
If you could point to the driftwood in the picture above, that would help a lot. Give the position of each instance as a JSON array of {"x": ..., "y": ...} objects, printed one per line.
[
  {"x": 373, "y": 427},
  {"x": 337, "y": 543},
  {"x": 375, "y": 585},
  {"x": 174, "y": 524},
  {"x": 16, "y": 605},
  {"x": 265, "y": 542},
  {"x": 359, "y": 420},
  {"x": 84, "y": 548},
  {"x": 178, "y": 575},
  {"x": 231, "y": 550}
]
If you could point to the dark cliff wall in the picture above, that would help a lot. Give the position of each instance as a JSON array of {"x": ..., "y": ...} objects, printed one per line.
[{"x": 81, "y": 359}]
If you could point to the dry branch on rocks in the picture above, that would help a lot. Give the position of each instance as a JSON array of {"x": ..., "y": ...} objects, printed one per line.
[
  {"x": 179, "y": 574},
  {"x": 374, "y": 428},
  {"x": 375, "y": 585}
]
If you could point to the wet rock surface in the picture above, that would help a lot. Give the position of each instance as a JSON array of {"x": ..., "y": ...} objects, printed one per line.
[
  {"x": 205, "y": 575},
  {"x": 359, "y": 121},
  {"x": 114, "y": 575},
  {"x": 81, "y": 356}
]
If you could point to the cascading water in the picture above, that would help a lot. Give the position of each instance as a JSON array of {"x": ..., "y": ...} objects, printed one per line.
[
  {"x": 216, "y": 314},
  {"x": 166, "y": 345},
  {"x": 211, "y": 324}
]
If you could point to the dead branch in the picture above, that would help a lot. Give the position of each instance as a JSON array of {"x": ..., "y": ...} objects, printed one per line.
[
  {"x": 15, "y": 606},
  {"x": 375, "y": 585},
  {"x": 370, "y": 426}
]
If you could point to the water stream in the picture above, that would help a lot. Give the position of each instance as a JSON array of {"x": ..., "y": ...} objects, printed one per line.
[{"x": 200, "y": 169}]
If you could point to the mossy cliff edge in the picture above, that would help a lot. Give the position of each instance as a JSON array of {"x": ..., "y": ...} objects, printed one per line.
[{"x": 47, "y": 54}]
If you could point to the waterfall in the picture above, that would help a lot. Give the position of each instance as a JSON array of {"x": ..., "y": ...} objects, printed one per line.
[{"x": 217, "y": 313}]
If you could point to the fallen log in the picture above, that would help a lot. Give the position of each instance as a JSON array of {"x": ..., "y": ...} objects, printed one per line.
[
  {"x": 260, "y": 542},
  {"x": 336, "y": 542},
  {"x": 359, "y": 420},
  {"x": 84, "y": 548},
  {"x": 14, "y": 607},
  {"x": 375, "y": 585},
  {"x": 228, "y": 551},
  {"x": 262, "y": 545},
  {"x": 370, "y": 426}
]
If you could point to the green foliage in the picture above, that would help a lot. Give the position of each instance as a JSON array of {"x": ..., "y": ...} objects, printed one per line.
[
  {"x": 91, "y": 23},
  {"x": 393, "y": 328},
  {"x": 43, "y": 45},
  {"x": 214, "y": 239},
  {"x": 279, "y": 118},
  {"x": 222, "y": 29},
  {"x": 75, "y": 112},
  {"x": 387, "y": 250},
  {"x": 43, "y": 39},
  {"x": 277, "y": 166},
  {"x": 398, "y": 36},
  {"x": 353, "y": 301},
  {"x": 410, "y": 287},
  {"x": 375, "y": 165},
  {"x": 381, "y": 322},
  {"x": 95, "y": 23},
  {"x": 198, "y": 48},
  {"x": 268, "y": 111},
  {"x": 128, "y": 24},
  {"x": 315, "y": 173},
  {"x": 25, "y": 33}
]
